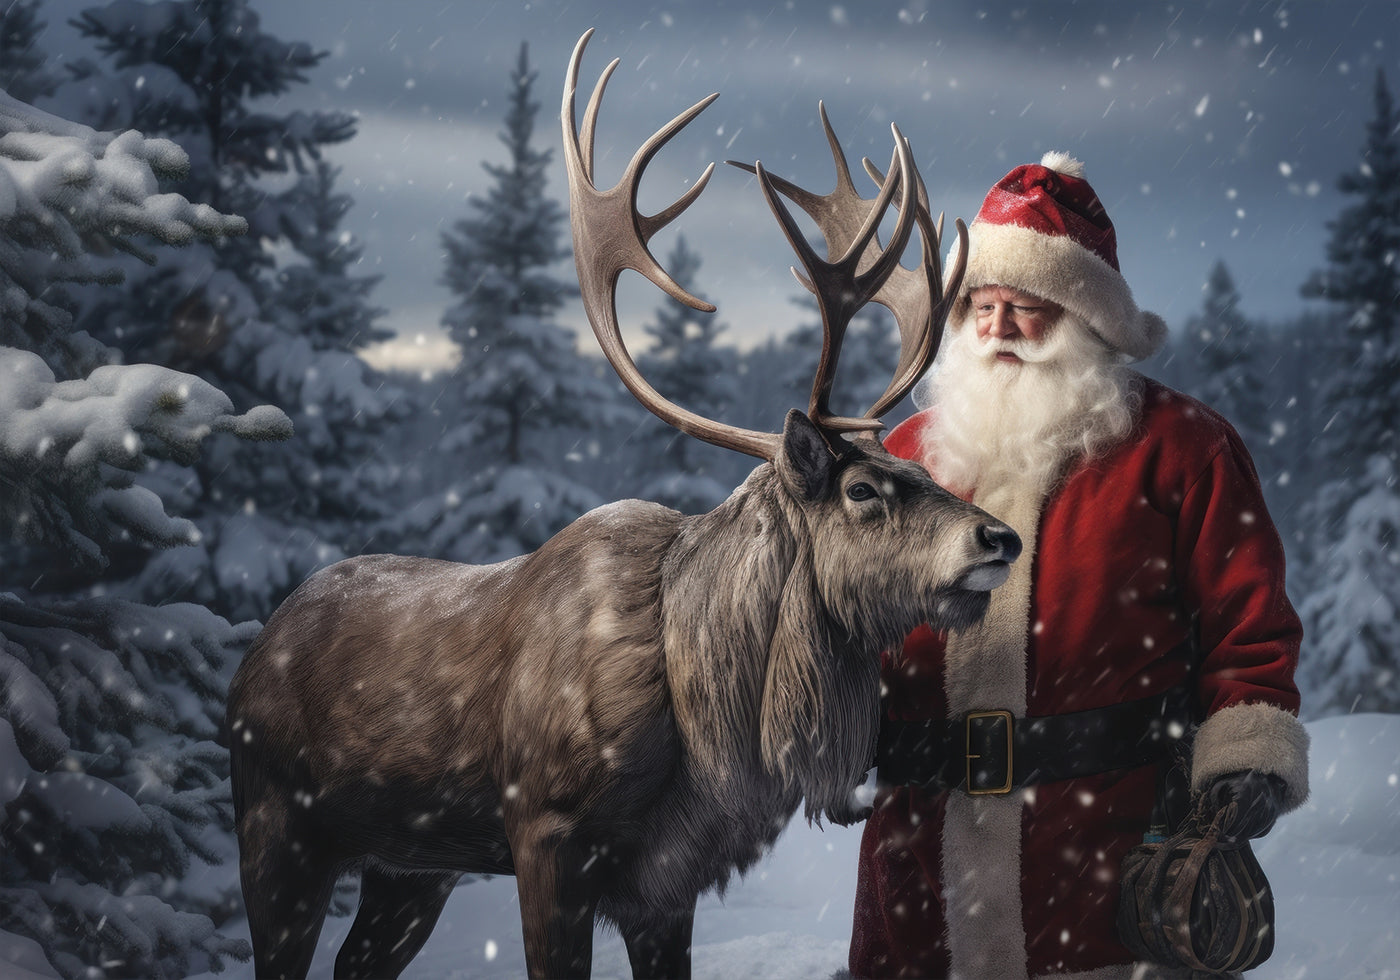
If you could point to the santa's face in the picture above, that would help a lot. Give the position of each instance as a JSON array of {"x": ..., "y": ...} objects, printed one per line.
[
  {"x": 1005, "y": 316},
  {"x": 1018, "y": 392}
]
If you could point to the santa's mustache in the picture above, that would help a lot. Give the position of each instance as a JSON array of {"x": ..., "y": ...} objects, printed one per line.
[{"x": 1043, "y": 351}]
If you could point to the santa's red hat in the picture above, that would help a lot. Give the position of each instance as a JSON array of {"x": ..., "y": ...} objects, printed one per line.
[{"x": 1043, "y": 230}]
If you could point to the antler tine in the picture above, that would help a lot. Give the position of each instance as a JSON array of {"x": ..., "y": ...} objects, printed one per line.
[
  {"x": 873, "y": 280},
  {"x": 838, "y": 155},
  {"x": 590, "y": 116},
  {"x": 578, "y": 152},
  {"x": 796, "y": 239},
  {"x": 610, "y": 235},
  {"x": 879, "y": 178},
  {"x": 889, "y": 258},
  {"x": 910, "y": 297},
  {"x": 576, "y": 144},
  {"x": 649, "y": 225}
]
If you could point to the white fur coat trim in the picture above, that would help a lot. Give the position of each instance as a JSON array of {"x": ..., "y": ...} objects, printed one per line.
[
  {"x": 1253, "y": 736},
  {"x": 985, "y": 668}
]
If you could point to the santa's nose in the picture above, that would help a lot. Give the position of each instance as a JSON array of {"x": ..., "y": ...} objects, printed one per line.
[{"x": 1001, "y": 325}]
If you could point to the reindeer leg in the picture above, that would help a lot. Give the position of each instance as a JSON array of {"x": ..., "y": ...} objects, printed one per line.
[
  {"x": 557, "y": 901},
  {"x": 397, "y": 914},
  {"x": 660, "y": 946},
  {"x": 287, "y": 874}
]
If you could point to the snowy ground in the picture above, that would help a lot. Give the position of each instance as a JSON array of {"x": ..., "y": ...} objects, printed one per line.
[{"x": 1334, "y": 864}]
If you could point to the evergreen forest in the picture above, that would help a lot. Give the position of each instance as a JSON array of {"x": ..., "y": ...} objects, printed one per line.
[{"x": 188, "y": 429}]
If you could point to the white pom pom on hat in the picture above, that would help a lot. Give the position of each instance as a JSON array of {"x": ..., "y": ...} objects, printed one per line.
[
  {"x": 1043, "y": 230},
  {"x": 1062, "y": 162}
]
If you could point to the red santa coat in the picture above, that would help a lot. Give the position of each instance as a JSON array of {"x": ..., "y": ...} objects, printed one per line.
[{"x": 1163, "y": 539}]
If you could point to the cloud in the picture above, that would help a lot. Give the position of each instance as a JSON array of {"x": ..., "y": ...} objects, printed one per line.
[{"x": 425, "y": 351}]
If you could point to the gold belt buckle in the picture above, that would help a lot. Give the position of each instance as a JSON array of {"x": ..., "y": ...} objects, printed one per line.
[{"x": 973, "y": 716}]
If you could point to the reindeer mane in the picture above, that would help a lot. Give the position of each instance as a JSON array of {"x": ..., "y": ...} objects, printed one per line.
[
  {"x": 820, "y": 699},
  {"x": 764, "y": 682}
]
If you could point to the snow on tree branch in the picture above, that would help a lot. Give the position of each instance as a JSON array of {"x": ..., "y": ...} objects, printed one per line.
[
  {"x": 67, "y": 447},
  {"x": 108, "y": 712},
  {"x": 80, "y": 186},
  {"x": 66, "y": 190}
]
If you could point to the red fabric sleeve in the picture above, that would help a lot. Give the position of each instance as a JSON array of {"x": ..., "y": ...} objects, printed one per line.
[{"x": 1230, "y": 567}]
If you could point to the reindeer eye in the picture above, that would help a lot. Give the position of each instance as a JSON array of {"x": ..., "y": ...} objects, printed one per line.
[{"x": 861, "y": 491}]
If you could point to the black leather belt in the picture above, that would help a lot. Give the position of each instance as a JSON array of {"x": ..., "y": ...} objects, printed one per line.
[{"x": 988, "y": 753}]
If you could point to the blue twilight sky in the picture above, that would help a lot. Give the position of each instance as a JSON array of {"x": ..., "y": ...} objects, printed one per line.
[{"x": 1211, "y": 130}]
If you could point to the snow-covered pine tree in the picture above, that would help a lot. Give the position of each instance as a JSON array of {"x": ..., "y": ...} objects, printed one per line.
[
  {"x": 522, "y": 398},
  {"x": 113, "y": 786},
  {"x": 194, "y": 72},
  {"x": 206, "y": 70},
  {"x": 686, "y": 364},
  {"x": 203, "y": 65},
  {"x": 1352, "y": 604},
  {"x": 1227, "y": 370}
]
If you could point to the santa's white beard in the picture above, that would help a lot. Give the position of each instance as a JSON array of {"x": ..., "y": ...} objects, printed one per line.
[{"x": 998, "y": 423}]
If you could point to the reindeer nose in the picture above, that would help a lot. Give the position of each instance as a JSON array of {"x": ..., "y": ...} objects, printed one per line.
[{"x": 1004, "y": 543}]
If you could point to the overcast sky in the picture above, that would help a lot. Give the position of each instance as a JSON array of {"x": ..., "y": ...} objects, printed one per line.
[{"x": 1210, "y": 130}]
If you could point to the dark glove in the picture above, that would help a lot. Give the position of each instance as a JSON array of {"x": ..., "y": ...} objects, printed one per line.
[{"x": 1258, "y": 798}]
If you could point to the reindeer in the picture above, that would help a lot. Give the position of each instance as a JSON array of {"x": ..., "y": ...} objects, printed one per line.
[{"x": 632, "y": 712}]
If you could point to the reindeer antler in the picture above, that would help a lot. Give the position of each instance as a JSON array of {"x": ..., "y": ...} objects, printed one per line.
[
  {"x": 611, "y": 235},
  {"x": 915, "y": 296}
]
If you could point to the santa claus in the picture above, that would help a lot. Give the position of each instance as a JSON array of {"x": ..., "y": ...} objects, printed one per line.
[{"x": 1146, "y": 620}]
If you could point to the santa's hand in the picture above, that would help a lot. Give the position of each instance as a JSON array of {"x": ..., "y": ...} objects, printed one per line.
[{"x": 1258, "y": 798}]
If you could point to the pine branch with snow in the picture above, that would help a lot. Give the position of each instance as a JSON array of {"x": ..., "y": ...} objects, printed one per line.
[
  {"x": 67, "y": 192},
  {"x": 112, "y": 783},
  {"x": 68, "y": 449},
  {"x": 282, "y": 327},
  {"x": 1353, "y": 612}
]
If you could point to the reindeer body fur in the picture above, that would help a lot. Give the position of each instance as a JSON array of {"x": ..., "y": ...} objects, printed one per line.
[{"x": 621, "y": 718}]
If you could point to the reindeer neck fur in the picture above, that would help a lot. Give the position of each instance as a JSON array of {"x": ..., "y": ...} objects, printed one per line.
[{"x": 775, "y": 699}]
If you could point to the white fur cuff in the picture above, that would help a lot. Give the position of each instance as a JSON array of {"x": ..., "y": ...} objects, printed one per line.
[{"x": 1253, "y": 736}]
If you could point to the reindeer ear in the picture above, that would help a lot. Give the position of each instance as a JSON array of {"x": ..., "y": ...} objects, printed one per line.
[{"x": 805, "y": 463}]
